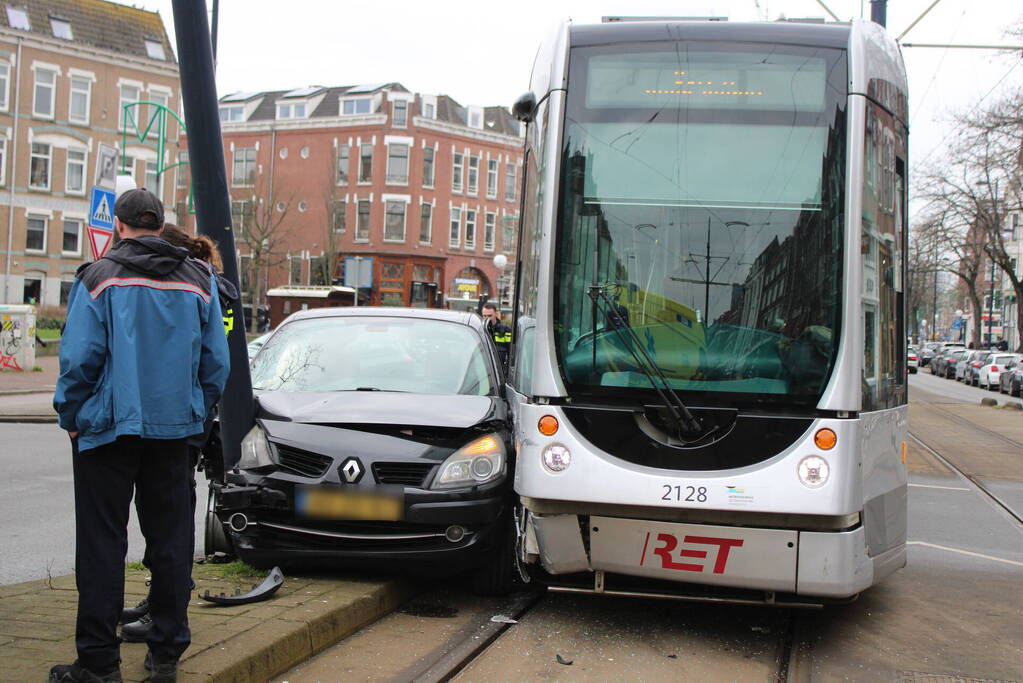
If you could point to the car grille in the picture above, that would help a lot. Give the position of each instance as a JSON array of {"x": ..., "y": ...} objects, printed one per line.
[
  {"x": 303, "y": 463},
  {"x": 406, "y": 473}
]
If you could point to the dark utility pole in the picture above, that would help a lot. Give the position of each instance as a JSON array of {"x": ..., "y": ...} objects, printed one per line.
[
  {"x": 213, "y": 203},
  {"x": 879, "y": 12}
]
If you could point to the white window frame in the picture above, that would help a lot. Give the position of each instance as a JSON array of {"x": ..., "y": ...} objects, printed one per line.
[
  {"x": 511, "y": 167},
  {"x": 67, "y": 170},
  {"x": 457, "y": 172},
  {"x": 22, "y": 15},
  {"x": 153, "y": 46},
  {"x": 456, "y": 223},
  {"x": 81, "y": 233},
  {"x": 341, "y": 203},
  {"x": 472, "y": 184},
  {"x": 429, "y": 223},
  {"x": 359, "y": 237},
  {"x": 158, "y": 190},
  {"x": 394, "y": 114},
  {"x": 343, "y": 102},
  {"x": 433, "y": 167},
  {"x": 3, "y": 160},
  {"x": 391, "y": 200},
  {"x": 235, "y": 161},
  {"x": 122, "y": 121},
  {"x": 291, "y": 113},
  {"x": 493, "y": 168},
  {"x": 46, "y": 232},
  {"x": 227, "y": 113},
  {"x": 49, "y": 166},
  {"x": 155, "y": 93},
  {"x": 88, "y": 79},
  {"x": 470, "y": 235},
  {"x": 58, "y": 22},
  {"x": 489, "y": 231},
  {"x": 54, "y": 71},
  {"x": 347, "y": 156},
  {"x": 5, "y": 90},
  {"x": 391, "y": 178},
  {"x": 367, "y": 180}
]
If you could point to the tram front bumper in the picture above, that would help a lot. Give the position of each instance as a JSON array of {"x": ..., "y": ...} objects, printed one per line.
[{"x": 830, "y": 564}]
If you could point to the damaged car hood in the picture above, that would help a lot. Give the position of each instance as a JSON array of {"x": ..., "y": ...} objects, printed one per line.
[{"x": 379, "y": 407}]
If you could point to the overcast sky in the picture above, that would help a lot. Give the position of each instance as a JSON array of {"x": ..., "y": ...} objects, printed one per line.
[{"x": 482, "y": 52}]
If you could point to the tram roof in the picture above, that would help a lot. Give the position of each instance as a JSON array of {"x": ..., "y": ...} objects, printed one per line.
[{"x": 796, "y": 33}]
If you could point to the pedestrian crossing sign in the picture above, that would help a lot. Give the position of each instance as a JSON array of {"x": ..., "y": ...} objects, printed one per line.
[{"x": 101, "y": 209}]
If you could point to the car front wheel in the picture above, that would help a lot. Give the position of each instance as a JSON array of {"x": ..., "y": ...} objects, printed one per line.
[{"x": 497, "y": 575}]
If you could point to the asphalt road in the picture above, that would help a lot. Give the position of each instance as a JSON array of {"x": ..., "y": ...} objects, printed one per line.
[
  {"x": 37, "y": 534},
  {"x": 953, "y": 389}
]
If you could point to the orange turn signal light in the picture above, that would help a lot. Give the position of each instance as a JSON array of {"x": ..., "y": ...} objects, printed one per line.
[
  {"x": 825, "y": 439},
  {"x": 548, "y": 425}
]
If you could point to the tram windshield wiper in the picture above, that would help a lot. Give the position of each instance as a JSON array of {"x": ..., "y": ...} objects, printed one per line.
[{"x": 685, "y": 421}]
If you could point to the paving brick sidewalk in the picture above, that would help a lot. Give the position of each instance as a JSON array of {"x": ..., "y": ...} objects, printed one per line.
[
  {"x": 240, "y": 643},
  {"x": 26, "y": 380}
]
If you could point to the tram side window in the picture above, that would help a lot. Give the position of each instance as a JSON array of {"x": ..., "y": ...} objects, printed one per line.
[{"x": 882, "y": 255}]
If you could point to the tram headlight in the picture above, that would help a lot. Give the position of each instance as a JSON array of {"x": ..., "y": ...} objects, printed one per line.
[
  {"x": 556, "y": 458},
  {"x": 813, "y": 471}
]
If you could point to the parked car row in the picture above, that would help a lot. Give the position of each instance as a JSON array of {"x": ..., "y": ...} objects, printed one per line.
[
  {"x": 993, "y": 370},
  {"x": 382, "y": 440}
]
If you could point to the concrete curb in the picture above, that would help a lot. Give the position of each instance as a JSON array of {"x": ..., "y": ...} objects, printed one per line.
[
  {"x": 19, "y": 392},
  {"x": 34, "y": 419}
]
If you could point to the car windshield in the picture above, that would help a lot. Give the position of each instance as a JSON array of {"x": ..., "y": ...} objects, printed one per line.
[
  {"x": 1002, "y": 360},
  {"x": 366, "y": 353}
]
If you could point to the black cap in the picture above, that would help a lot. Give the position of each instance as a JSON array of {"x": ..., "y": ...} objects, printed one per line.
[{"x": 140, "y": 208}]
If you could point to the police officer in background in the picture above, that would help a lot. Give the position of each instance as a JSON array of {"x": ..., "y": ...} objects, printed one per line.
[
  {"x": 143, "y": 360},
  {"x": 498, "y": 331}
]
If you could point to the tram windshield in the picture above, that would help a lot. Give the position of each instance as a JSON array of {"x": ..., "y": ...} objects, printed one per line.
[{"x": 702, "y": 193}]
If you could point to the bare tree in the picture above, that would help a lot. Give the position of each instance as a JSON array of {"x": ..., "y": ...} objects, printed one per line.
[
  {"x": 266, "y": 234},
  {"x": 334, "y": 210}
]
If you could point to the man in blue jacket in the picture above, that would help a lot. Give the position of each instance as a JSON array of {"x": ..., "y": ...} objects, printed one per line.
[{"x": 143, "y": 360}]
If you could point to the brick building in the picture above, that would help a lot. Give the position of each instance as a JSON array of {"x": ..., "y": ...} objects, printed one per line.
[
  {"x": 66, "y": 69},
  {"x": 415, "y": 192}
]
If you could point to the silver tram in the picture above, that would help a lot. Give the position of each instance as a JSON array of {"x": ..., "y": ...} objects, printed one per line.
[{"x": 709, "y": 372}]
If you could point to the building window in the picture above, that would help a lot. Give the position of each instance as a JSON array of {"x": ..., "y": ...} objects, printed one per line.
[
  {"x": 457, "y": 169},
  {"x": 244, "y": 172},
  {"x": 153, "y": 178},
  {"x": 470, "y": 229},
  {"x": 231, "y": 114},
  {"x": 154, "y": 49},
  {"x": 489, "y": 230},
  {"x": 295, "y": 270},
  {"x": 475, "y": 120},
  {"x": 33, "y": 290},
  {"x": 17, "y": 17},
  {"x": 397, "y": 164},
  {"x": 61, "y": 28},
  {"x": 130, "y": 94},
  {"x": 355, "y": 106},
  {"x": 152, "y": 122},
  {"x": 45, "y": 90},
  {"x": 241, "y": 214},
  {"x": 400, "y": 113},
  {"x": 318, "y": 275},
  {"x": 5, "y": 82},
  {"x": 75, "y": 183},
  {"x": 72, "y": 242},
  {"x": 362, "y": 224},
  {"x": 128, "y": 165},
  {"x": 3, "y": 161},
  {"x": 35, "y": 234},
  {"x": 342, "y": 165},
  {"x": 338, "y": 215},
  {"x": 39, "y": 167},
  {"x": 492, "y": 178},
  {"x": 508, "y": 234},
  {"x": 78, "y": 102},
  {"x": 65, "y": 291},
  {"x": 294, "y": 110},
  {"x": 455, "y": 232},
  {"x": 474, "y": 174},
  {"x": 365, "y": 163},
  {"x": 428, "y": 111},
  {"x": 184, "y": 175},
  {"x": 425, "y": 223},
  {"x": 428, "y": 167},
  {"x": 509, "y": 182},
  {"x": 394, "y": 221}
]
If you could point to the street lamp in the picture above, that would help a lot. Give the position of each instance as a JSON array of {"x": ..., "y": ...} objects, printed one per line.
[
  {"x": 991, "y": 288},
  {"x": 500, "y": 262}
]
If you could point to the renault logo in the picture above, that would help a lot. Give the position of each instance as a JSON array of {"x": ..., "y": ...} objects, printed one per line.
[{"x": 351, "y": 470}]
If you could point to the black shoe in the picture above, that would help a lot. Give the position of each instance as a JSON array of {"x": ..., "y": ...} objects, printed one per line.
[
  {"x": 166, "y": 672},
  {"x": 136, "y": 631},
  {"x": 130, "y": 614},
  {"x": 76, "y": 673}
]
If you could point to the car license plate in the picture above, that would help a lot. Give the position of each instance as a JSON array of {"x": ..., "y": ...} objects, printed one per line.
[
  {"x": 699, "y": 553},
  {"x": 330, "y": 503}
]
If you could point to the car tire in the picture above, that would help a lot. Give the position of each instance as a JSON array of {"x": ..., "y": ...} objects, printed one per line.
[
  {"x": 215, "y": 538},
  {"x": 497, "y": 576}
]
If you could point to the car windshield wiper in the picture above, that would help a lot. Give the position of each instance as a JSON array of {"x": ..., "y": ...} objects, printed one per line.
[{"x": 684, "y": 420}]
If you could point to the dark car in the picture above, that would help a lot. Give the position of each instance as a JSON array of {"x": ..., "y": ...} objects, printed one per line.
[
  {"x": 969, "y": 366},
  {"x": 381, "y": 440},
  {"x": 945, "y": 364},
  {"x": 1011, "y": 379}
]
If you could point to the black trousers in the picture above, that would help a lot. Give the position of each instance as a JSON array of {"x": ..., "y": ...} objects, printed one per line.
[{"x": 158, "y": 472}]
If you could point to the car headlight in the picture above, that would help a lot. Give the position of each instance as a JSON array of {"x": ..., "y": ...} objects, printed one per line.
[
  {"x": 255, "y": 450},
  {"x": 475, "y": 463}
]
